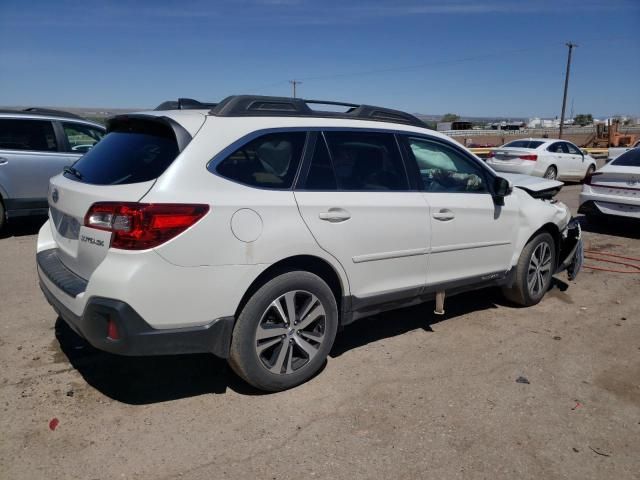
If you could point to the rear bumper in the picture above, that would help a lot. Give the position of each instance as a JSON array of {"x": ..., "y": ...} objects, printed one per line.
[
  {"x": 137, "y": 337},
  {"x": 594, "y": 204},
  {"x": 524, "y": 168}
]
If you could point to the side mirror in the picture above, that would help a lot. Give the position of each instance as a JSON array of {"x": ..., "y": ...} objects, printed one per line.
[{"x": 501, "y": 188}]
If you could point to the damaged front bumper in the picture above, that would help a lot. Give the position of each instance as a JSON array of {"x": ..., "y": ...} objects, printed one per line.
[{"x": 571, "y": 250}]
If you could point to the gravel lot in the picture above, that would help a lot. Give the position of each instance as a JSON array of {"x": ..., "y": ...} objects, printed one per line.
[{"x": 404, "y": 394}]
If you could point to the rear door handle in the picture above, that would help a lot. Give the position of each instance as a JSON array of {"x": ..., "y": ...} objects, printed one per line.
[
  {"x": 335, "y": 215},
  {"x": 3, "y": 161},
  {"x": 444, "y": 215}
]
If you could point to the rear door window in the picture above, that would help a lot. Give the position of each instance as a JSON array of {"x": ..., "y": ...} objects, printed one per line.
[
  {"x": 134, "y": 152},
  {"x": 270, "y": 161},
  {"x": 81, "y": 138},
  {"x": 367, "y": 161},
  {"x": 32, "y": 135},
  {"x": 321, "y": 176}
]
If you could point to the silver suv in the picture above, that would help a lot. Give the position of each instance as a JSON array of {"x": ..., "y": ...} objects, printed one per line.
[{"x": 35, "y": 145}]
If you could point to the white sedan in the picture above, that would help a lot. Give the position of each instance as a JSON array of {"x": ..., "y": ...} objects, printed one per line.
[
  {"x": 542, "y": 157},
  {"x": 614, "y": 189}
]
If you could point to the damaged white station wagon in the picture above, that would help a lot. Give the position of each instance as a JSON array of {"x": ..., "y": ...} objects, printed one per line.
[{"x": 256, "y": 227}]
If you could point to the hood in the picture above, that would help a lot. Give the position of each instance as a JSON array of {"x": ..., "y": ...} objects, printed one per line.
[{"x": 535, "y": 186}]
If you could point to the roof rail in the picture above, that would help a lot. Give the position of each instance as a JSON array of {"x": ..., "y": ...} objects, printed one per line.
[
  {"x": 184, "y": 104},
  {"x": 263, "y": 106},
  {"x": 50, "y": 111}
]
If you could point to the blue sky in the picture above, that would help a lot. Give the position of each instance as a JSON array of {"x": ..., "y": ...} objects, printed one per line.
[{"x": 483, "y": 57}]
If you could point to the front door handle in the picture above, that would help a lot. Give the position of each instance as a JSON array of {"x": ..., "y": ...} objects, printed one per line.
[
  {"x": 3, "y": 161},
  {"x": 444, "y": 215},
  {"x": 335, "y": 215}
]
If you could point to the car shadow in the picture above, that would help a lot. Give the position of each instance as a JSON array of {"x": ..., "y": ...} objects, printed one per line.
[
  {"x": 147, "y": 380},
  {"x": 20, "y": 227},
  {"x": 619, "y": 227},
  {"x": 420, "y": 317}
]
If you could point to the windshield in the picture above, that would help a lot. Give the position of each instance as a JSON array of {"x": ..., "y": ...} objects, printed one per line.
[
  {"x": 628, "y": 159},
  {"x": 523, "y": 144},
  {"x": 135, "y": 155}
]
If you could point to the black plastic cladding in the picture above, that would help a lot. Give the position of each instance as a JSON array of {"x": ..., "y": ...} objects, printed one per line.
[
  {"x": 184, "y": 104},
  {"x": 264, "y": 106}
]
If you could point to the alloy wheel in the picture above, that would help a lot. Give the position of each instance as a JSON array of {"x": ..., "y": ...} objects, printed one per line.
[
  {"x": 539, "y": 272},
  {"x": 550, "y": 173},
  {"x": 290, "y": 332}
]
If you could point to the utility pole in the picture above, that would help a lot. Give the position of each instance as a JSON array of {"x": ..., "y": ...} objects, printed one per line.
[
  {"x": 566, "y": 87},
  {"x": 294, "y": 83}
]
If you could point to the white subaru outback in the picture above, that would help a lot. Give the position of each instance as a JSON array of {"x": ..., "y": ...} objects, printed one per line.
[{"x": 257, "y": 227}]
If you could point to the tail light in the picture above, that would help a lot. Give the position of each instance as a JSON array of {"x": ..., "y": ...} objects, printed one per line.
[
  {"x": 138, "y": 226},
  {"x": 529, "y": 157}
]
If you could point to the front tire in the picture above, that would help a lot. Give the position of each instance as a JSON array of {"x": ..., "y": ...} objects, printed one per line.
[
  {"x": 534, "y": 271},
  {"x": 590, "y": 172},
  {"x": 285, "y": 332}
]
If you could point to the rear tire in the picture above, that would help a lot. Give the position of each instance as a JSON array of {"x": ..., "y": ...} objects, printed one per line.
[
  {"x": 534, "y": 271},
  {"x": 285, "y": 332},
  {"x": 551, "y": 173}
]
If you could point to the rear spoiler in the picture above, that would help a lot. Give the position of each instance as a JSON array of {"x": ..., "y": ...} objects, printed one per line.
[{"x": 142, "y": 122}]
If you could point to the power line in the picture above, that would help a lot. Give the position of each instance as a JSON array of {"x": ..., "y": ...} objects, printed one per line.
[
  {"x": 566, "y": 87},
  {"x": 420, "y": 66},
  {"x": 404, "y": 67}
]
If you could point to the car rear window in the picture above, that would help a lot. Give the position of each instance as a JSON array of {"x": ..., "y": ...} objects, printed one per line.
[
  {"x": 523, "y": 144},
  {"x": 131, "y": 153},
  {"x": 628, "y": 159}
]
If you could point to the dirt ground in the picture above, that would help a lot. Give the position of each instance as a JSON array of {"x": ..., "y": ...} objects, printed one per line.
[{"x": 404, "y": 395}]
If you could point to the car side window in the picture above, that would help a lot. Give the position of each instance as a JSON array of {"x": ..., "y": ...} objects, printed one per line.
[
  {"x": 81, "y": 138},
  {"x": 367, "y": 161},
  {"x": 321, "y": 176},
  {"x": 558, "y": 147},
  {"x": 444, "y": 169},
  {"x": 31, "y": 135},
  {"x": 270, "y": 161},
  {"x": 572, "y": 149}
]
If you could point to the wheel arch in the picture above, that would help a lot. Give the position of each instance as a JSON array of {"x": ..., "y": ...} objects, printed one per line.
[
  {"x": 308, "y": 263},
  {"x": 553, "y": 230}
]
